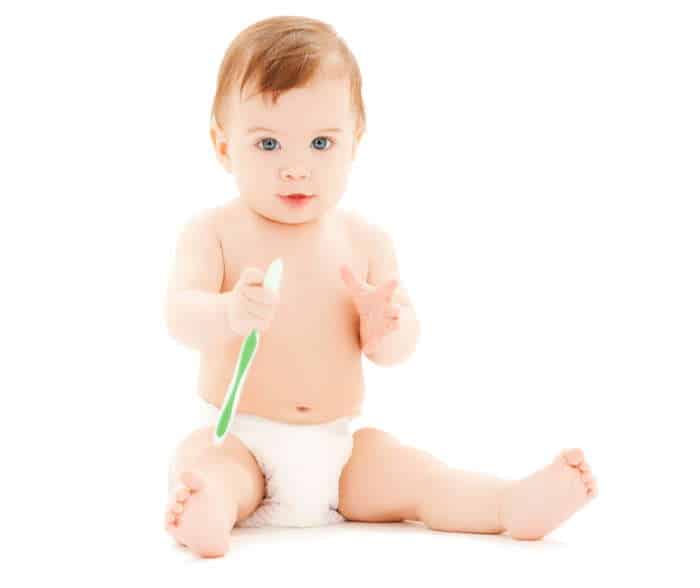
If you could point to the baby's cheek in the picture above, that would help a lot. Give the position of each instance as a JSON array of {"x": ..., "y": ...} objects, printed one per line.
[{"x": 334, "y": 184}]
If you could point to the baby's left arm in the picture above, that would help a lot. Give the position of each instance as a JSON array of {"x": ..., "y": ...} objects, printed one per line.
[{"x": 393, "y": 344}]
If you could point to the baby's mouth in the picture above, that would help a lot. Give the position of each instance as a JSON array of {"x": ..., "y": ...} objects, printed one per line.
[
  {"x": 296, "y": 199},
  {"x": 297, "y": 196}
]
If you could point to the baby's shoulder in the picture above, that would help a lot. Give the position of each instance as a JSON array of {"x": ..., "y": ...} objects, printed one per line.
[
  {"x": 217, "y": 220},
  {"x": 359, "y": 228},
  {"x": 365, "y": 233}
]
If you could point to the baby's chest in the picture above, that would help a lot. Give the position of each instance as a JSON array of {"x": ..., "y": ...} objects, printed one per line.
[{"x": 312, "y": 292}]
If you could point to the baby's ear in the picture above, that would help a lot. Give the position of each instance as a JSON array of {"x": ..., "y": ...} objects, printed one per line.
[
  {"x": 356, "y": 144},
  {"x": 218, "y": 139}
]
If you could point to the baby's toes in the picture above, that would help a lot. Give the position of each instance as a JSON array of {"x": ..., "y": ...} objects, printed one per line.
[
  {"x": 176, "y": 508},
  {"x": 574, "y": 457},
  {"x": 592, "y": 487},
  {"x": 171, "y": 522},
  {"x": 182, "y": 494},
  {"x": 588, "y": 479},
  {"x": 584, "y": 467},
  {"x": 589, "y": 482},
  {"x": 191, "y": 481},
  {"x": 172, "y": 514}
]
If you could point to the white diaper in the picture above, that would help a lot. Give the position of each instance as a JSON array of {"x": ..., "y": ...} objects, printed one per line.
[{"x": 302, "y": 465}]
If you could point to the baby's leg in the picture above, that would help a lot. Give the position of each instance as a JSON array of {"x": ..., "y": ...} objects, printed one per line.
[
  {"x": 385, "y": 481},
  {"x": 214, "y": 486},
  {"x": 526, "y": 509}
]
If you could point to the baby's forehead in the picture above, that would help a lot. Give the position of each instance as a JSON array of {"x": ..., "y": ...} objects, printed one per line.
[{"x": 324, "y": 104}]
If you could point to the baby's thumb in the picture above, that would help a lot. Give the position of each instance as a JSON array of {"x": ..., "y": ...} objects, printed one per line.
[{"x": 353, "y": 284}]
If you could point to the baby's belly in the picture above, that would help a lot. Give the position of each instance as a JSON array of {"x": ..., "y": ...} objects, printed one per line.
[{"x": 308, "y": 367}]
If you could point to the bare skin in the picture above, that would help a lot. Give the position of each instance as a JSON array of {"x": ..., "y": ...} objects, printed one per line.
[
  {"x": 313, "y": 336},
  {"x": 309, "y": 368},
  {"x": 218, "y": 486}
]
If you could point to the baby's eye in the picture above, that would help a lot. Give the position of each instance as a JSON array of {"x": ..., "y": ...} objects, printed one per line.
[
  {"x": 319, "y": 143},
  {"x": 268, "y": 143}
]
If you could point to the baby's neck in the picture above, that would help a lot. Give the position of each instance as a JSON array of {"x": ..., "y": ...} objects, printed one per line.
[{"x": 307, "y": 228}]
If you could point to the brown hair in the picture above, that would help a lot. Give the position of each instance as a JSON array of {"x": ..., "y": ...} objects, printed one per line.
[{"x": 285, "y": 52}]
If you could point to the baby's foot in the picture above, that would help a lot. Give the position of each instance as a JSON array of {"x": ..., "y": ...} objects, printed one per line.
[
  {"x": 201, "y": 514},
  {"x": 541, "y": 502}
]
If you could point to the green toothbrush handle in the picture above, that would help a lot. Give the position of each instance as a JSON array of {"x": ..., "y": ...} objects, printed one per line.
[
  {"x": 245, "y": 357},
  {"x": 273, "y": 278}
]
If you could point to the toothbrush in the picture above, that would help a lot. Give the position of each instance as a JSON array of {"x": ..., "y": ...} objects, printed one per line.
[{"x": 273, "y": 277}]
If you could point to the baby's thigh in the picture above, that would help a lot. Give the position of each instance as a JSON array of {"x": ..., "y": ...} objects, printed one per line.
[{"x": 197, "y": 450}]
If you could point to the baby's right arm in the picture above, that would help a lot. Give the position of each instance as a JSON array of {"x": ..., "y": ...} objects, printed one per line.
[{"x": 197, "y": 313}]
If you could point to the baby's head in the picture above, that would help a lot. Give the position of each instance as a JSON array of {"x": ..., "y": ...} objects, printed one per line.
[{"x": 288, "y": 115}]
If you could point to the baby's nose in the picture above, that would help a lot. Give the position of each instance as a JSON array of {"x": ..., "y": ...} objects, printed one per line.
[{"x": 295, "y": 173}]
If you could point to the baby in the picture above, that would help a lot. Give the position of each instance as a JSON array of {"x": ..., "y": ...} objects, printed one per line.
[{"x": 286, "y": 122}]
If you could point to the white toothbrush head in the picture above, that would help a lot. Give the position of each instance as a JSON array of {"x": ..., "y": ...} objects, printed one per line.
[{"x": 273, "y": 275}]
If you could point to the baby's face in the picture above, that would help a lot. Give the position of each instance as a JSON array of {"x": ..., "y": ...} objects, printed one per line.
[{"x": 306, "y": 145}]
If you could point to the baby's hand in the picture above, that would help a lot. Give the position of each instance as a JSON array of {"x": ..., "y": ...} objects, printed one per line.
[
  {"x": 251, "y": 305},
  {"x": 378, "y": 315}
]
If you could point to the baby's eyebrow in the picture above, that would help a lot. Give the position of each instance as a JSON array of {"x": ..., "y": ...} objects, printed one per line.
[{"x": 329, "y": 130}]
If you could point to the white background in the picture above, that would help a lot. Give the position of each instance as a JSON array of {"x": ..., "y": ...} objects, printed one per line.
[{"x": 537, "y": 164}]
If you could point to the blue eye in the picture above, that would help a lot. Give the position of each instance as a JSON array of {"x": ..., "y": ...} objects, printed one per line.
[
  {"x": 268, "y": 143},
  {"x": 320, "y": 145}
]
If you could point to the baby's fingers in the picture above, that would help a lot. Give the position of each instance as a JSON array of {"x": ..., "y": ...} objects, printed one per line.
[
  {"x": 251, "y": 276},
  {"x": 354, "y": 285},
  {"x": 259, "y": 311},
  {"x": 261, "y": 295},
  {"x": 386, "y": 290},
  {"x": 393, "y": 311},
  {"x": 391, "y": 323}
]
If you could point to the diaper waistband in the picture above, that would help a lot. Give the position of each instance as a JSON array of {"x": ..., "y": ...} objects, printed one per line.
[{"x": 252, "y": 422}]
